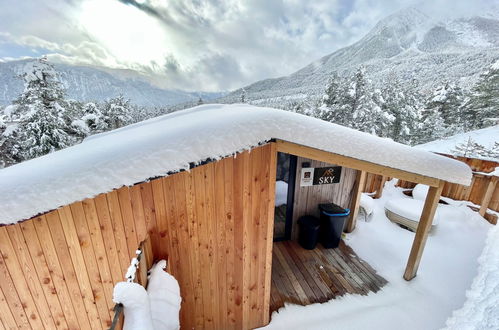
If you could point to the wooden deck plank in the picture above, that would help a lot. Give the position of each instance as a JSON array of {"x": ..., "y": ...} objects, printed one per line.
[{"x": 304, "y": 277}]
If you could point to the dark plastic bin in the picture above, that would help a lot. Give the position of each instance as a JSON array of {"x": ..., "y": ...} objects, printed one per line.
[
  {"x": 332, "y": 221},
  {"x": 309, "y": 232}
]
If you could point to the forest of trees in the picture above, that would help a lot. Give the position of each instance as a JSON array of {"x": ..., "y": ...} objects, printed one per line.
[
  {"x": 402, "y": 113},
  {"x": 42, "y": 119}
]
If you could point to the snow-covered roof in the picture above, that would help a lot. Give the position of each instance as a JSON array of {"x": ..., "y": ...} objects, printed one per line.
[
  {"x": 485, "y": 136},
  {"x": 171, "y": 142}
]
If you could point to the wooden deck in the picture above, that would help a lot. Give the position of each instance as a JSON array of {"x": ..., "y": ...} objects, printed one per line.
[{"x": 305, "y": 277}]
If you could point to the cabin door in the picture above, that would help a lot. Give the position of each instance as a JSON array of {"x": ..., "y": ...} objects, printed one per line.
[{"x": 284, "y": 196}]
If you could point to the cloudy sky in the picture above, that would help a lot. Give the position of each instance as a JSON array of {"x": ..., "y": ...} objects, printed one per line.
[{"x": 188, "y": 44}]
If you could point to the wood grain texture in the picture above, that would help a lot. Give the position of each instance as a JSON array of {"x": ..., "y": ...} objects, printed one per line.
[
  {"x": 305, "y": 277},
  {"x": 307, "y": 199},
  {"x": 213, "y": 224},
  {"x": 429, "y": 209}
]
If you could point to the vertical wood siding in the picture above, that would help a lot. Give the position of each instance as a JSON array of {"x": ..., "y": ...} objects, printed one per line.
[
  {"x": 213, "y": 224},
  {"x": 307, "y": 199}
]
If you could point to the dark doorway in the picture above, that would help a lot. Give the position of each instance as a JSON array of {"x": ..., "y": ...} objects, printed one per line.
[{"x": 284, "y": 197}]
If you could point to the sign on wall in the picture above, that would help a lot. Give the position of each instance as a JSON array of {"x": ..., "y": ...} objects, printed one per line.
[{"x": 318, "y": 176}]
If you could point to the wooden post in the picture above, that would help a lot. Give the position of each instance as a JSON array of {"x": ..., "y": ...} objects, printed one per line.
[
  {"x": 430, "y": 206},
  {"x": 487, "y": 196},
  {"x": 379, "y": 191},
  {"x": 360, "y": 182}
]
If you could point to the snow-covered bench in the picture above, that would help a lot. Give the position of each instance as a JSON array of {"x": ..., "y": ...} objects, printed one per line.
[{"x": 407, "y": 212}]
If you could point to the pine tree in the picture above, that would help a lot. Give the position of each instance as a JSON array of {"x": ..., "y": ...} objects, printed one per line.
[
  {"x": 117, "y": 112},
  {"x": 93, "y": 118},
  {"x": 42, "y": 109},
  {"x": 403, "y": 103},
  {"x": 243, "y": 95},
  {"x": 447, "y": 100},
  {"x": 482, "y": 108}
]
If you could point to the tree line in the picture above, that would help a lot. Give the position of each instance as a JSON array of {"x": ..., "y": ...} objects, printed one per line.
[
  {"x": 42, "y": 119},
  {"x": 402, "y": 112}
]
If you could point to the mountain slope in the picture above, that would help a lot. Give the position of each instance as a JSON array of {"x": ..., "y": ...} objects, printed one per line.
[
  {"x": 94, "y": 84},
  {"x": 411, "y": 44}
]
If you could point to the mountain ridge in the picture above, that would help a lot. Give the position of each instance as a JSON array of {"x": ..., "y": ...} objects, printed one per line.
[
  {"x": 89, "y": 83},
  {"x": 410, "y": 44}
]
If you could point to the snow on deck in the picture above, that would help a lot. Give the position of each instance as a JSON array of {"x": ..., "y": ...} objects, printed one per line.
[
  {"x": 169, "y": 143},
  {"x": 480, "y": 309}
]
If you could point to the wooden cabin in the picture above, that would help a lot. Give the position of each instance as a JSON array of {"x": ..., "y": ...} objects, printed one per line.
[{"x": 200, "y": 183}]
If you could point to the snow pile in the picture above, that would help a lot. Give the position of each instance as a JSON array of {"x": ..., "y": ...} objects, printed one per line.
[
  {"x": 447, "y": 269},
  {"x": 480, "y": 311},
  {"x": 409, "y": 208},
  {"x": 164, "y": 297},
  {"x": 173, "y": 142},
  {"x": 281, "y": 193},
  {"x": 157, "y": 308},
  {"x": 136, "y": 306},
  {"x": 420, "y": 191},
  {"x": 366, "y": 203}
]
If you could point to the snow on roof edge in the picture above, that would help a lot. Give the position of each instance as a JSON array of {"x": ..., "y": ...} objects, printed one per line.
[{"x": 169, "y": 143}]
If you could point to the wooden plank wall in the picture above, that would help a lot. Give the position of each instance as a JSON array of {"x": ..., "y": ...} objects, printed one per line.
[
  {"x": 213, "y": 224},
  {"x": 307, "y": 199}
]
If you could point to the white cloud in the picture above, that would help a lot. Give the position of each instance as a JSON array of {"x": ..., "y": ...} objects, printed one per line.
[{"x": 192, "y": 44}]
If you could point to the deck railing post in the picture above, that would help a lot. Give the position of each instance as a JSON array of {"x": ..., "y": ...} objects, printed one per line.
[{"x": 424, "y": 225}]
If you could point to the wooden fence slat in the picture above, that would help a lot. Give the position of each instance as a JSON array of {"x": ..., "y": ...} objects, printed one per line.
[
  {"x": 128, "y": 220},
  {"x": 100, "y": 252},
  {"x": 30, "y": 275},
  {"x": 106, "y": 229},
  {"x": 119, "y": 233},
  {"x": 60, "y": 281},
  {"x": 6, "y": 318},
  {"x": 83, "y": 275},
  {"x": 86, "y": 312},
  {"x": 13, "y": 298},
  {"x": 42, "y": 271}
]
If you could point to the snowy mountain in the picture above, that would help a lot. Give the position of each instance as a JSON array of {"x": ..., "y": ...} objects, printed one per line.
[
  {"x": 486, "y": 137},
  {"x": 85, "y": 83},
  {"x": 413, "y": 43}
]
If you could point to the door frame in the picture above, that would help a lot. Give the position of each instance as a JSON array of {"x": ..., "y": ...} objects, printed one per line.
[{"x": 288, "y": 226}]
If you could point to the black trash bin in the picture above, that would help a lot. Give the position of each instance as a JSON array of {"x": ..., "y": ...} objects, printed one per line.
[
  {"x": 309, "y": 232},
  {"x": 332, "y": 221}
]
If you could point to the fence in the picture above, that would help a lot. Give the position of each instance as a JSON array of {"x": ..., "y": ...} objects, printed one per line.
[{"x": 483, "y": 189}]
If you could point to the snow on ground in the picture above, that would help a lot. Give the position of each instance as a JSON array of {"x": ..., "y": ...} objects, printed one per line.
[
  {"x": 173, "y": 142},
  {"x": 447, "y": 268},
  {"x": 485, "y": 136},
  {"x": 480, "y": 310}
]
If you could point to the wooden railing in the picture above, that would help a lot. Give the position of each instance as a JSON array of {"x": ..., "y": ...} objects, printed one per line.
[
  {"x": 144, "y": 262},
  {"x": 483, "y": 191}
]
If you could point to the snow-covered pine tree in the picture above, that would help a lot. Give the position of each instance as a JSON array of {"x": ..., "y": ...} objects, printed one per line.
[
  {"x": 470, "y": 148},
  {"x": 403, "y": 103},
  {"x": 432, "y": 127},
  {"x": 332, "y": 105},
  {"x": 366, "y": 114},
  {"x": 93, "y": 118},
  {"x": 243, "y": 95},
  {"x": 447, "y": 99},
  {"x": 117, "y": 112},
  {"x": 42, "y": 109},
  {"x": 482, "y": 108},
  {"x": 494, "y": 151}
]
